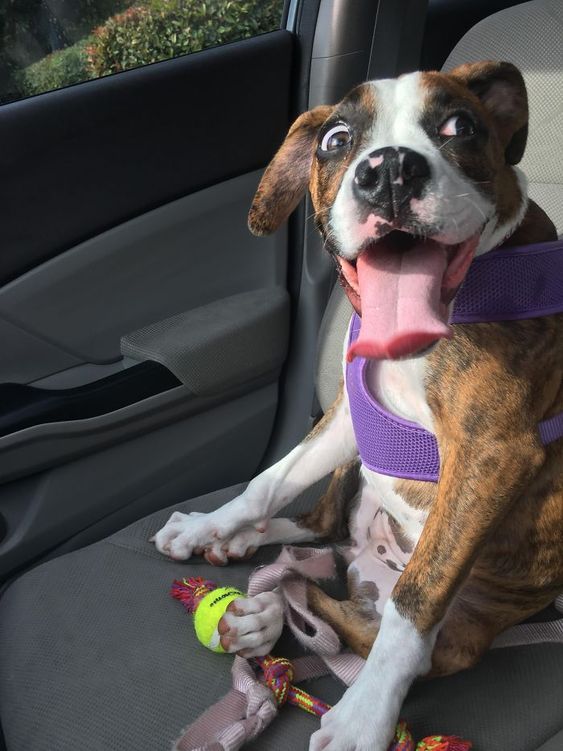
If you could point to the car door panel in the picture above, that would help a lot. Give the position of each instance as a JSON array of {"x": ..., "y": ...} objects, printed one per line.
[
  {"x": 179, "y": 256},
  {"x": 125, "y": 205},
  {"x": 218, "y": 352}
]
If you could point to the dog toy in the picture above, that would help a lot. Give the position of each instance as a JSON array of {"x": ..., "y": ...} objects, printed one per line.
[{"x": 208, "y": 603}]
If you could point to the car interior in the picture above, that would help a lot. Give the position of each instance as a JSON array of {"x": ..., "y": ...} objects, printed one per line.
[{"x": 156, "y": 356}]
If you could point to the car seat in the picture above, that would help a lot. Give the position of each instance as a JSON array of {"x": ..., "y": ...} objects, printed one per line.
[{"x": 95, "y": 655}]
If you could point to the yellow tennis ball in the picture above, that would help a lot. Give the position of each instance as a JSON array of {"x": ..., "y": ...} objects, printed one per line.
[{"x": 208, "y": 614}]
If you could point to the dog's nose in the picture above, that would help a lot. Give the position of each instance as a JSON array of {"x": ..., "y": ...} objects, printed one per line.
[
  {"x": 390, "y": 177},
  {"x": 414, "y": 165}
]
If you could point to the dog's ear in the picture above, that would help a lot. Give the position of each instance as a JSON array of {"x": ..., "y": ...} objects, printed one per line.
[
  {"x": 287, "y": 176},
  {"x": 502, "y": 91}
]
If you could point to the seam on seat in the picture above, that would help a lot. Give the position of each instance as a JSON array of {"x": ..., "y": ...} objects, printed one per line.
[
  {"x": 152, "y": 554},
  {"x": 552, "y": 736}
]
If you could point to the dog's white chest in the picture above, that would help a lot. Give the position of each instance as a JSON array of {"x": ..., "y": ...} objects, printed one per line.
[
  {"x": 399, "y": 387},
  {"x": 384, "y": 532},
  {"x": 378, "y": 493}
]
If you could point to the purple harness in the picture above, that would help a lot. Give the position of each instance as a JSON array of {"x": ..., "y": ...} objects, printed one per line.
[{"x": 503, "y": 285}]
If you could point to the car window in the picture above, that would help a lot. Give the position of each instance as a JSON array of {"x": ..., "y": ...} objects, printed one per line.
[{"x": 48, "y": 44}]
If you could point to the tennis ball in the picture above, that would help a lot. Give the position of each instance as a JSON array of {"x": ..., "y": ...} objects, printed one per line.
[{"x": 209, "y": 612}]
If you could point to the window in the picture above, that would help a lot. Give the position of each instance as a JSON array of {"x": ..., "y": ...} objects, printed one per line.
[{"x": 48, "y": 44}]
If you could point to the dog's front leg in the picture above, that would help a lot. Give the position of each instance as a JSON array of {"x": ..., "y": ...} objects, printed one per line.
[
  {"x": 330, "y": 444},
  {"x": 478, "y": 485}
]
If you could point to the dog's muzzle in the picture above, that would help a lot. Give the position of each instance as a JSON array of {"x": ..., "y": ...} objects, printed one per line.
[{"x": 388, "y": 179}]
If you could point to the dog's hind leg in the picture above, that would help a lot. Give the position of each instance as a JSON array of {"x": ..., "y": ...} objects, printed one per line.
[
  {"x": 495, "y": 597},
  {"x": 354, "y": 621},
  {"x": 463, "y": 639},
  {"x": 329, "y": 519}
]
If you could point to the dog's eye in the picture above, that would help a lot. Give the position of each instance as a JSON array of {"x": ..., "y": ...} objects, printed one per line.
[
  {"x": 335, "y": 138},
  {"x": 458, "y": 125}
]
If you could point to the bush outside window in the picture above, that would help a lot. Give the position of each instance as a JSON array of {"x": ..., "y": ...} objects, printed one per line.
[{"x": 48, "y": 44}]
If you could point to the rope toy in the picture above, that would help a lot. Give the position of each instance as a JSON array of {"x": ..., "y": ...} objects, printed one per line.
[
  {"x": 277, "y": 672},
  {"x": 278, "y": 676}
]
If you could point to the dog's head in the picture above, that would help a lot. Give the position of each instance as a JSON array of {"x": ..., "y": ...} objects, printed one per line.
[{"x": 409, "y": 178}]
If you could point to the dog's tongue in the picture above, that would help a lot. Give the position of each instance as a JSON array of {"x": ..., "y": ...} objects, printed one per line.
[{"x": 402, "y": 310}]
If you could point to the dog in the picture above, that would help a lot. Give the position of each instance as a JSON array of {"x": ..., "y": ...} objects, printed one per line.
[{"x": 412, "y": 179}]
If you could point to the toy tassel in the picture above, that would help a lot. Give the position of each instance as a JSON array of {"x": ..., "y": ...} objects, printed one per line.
[
  {"x": 191, "y": 591},
  {"x": 277, "y": 674},
  {"x": 443, "y": 743}
]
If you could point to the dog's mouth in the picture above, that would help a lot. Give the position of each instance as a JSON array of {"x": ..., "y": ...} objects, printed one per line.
[{"x": 402, "y": 285}]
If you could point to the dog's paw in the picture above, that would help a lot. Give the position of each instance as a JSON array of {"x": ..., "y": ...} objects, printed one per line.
[
  {"x": 181, "y": 534},
  {"x": 252, "y": 626},
  {"x": 218, "y": 536},
  {"x": 240, "y": 546},
  {"x": 353, "y": 724}
]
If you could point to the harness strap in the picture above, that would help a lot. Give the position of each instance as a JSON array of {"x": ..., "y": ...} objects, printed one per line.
[
  {"x": 511, "y": 284},
  {"x": 290, "y": 572}
]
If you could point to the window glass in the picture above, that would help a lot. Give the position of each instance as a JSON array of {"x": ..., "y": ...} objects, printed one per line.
[{"x": 47, "y": 44}]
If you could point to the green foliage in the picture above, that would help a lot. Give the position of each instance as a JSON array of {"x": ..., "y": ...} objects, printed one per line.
[
  {"x": 161, "y": 29},
  {"x": 156, "y": 30},
  {"x": 74, "y": 18},
  {"x": 58, "y": 69},
  {"x": 30, "y": 30},
  {"x": 81, "y": 16}
]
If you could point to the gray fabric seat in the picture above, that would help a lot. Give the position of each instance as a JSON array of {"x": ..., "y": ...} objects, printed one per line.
[{"x": 95, "y": 655}]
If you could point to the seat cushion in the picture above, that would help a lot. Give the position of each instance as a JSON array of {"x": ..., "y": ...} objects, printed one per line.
[
  {"x": 330, "y": 350},
  {"x": 529, "y": 35},
  {"x": 95, "y": 655}
]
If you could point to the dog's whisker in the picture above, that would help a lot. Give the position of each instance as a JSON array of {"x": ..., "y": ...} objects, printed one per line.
[
  {"x": 446, "y": 143},
  {"x": 479, "y": 209}
]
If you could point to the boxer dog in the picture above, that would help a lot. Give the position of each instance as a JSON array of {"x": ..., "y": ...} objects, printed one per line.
[{"x": 410, "y": 179}]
